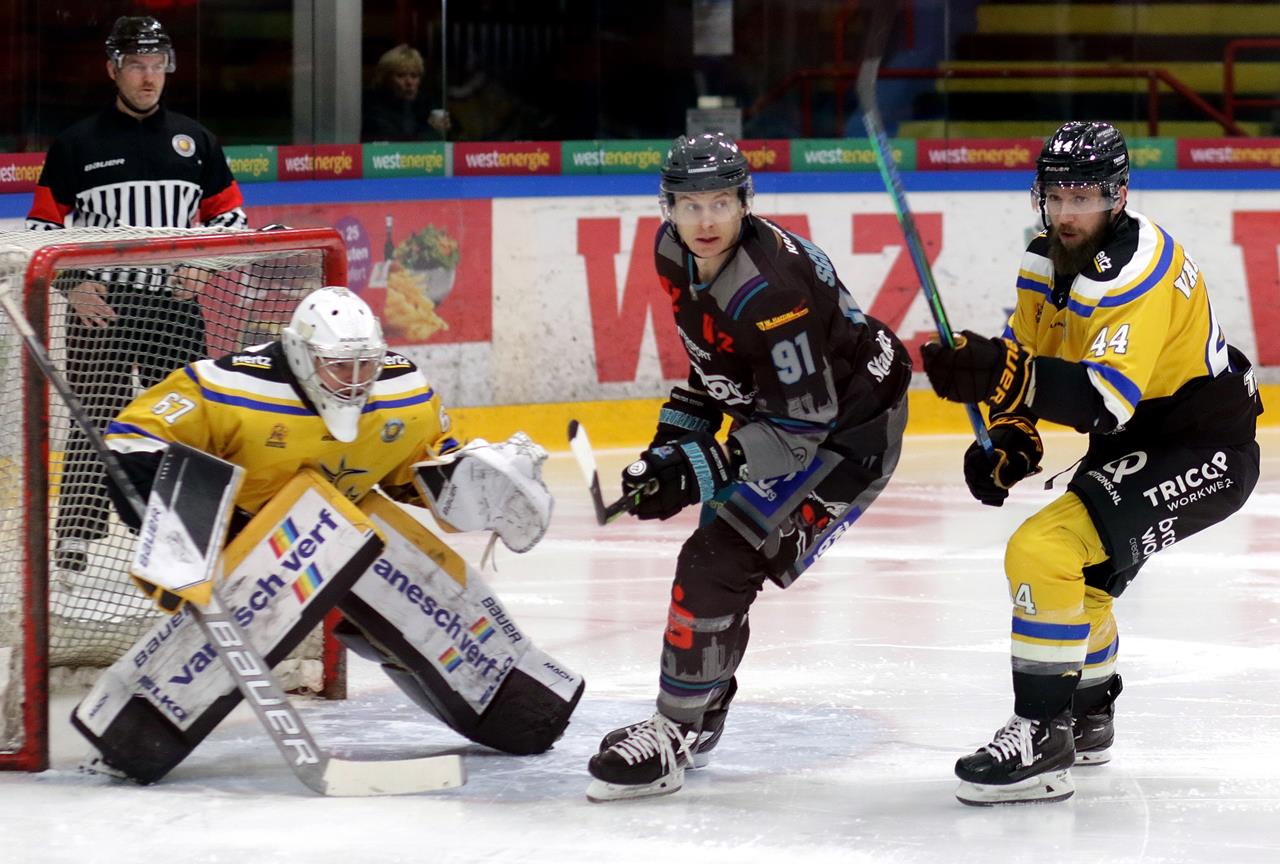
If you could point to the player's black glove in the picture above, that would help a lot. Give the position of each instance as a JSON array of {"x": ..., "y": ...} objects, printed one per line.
[
  {"x": 686, "y": 411},
  {"x": 1017, "y": 455},
  {"x": 669, "y": 477},
  {"x": 979, "y": 369}
]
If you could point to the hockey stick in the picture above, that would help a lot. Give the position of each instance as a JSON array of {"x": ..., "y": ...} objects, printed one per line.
[
  {"x": 580, "y": 445},
  {"x": 318, "y": 770},
  {"x": 877, "y": 38}
]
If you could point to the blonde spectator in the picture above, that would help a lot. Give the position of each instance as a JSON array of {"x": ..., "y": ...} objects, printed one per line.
[{"x": 396, "y": 108}]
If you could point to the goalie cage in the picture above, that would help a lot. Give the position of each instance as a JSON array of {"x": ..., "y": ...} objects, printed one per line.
[{"x": 64, "y": 623}]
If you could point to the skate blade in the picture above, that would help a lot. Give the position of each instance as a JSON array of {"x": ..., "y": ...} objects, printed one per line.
[
  {"x": 599, "y": 791},
  {"x": 1093, "y": 757},
  {"x": 1042, "y": 789}
]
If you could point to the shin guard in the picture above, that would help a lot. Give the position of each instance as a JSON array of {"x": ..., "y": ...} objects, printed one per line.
[
  {"x": 286, "y": 569},
  {"x": 445, "y": 638}
]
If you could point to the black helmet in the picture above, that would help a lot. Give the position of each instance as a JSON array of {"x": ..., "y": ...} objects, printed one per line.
[
  {"x": 138, "y": 34},
  {"x": 1082, "y": 153},
  {"x": 705, "y": 163}
]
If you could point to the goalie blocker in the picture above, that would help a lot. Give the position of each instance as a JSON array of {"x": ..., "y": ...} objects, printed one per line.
[{"x": 460, "y": 656}]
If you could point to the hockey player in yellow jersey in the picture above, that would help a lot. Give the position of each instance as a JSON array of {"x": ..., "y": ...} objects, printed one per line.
[
  {"x": 1113, "y": 334},
  {"x": 362, "y": 417},
  {"x": 329, "y": 397}
]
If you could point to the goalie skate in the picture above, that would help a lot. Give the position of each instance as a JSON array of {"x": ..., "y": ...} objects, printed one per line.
[{"x": 1028, "y": 761}]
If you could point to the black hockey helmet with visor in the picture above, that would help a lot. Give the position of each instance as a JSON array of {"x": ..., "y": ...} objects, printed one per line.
[
  {"x": 708, "y": 162},
  {"x": 1081, "y": 156},
  {"x": 139, "y": 34}
]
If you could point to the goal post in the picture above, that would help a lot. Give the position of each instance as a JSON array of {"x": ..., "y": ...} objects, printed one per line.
[{"x": 168, "y": 297}]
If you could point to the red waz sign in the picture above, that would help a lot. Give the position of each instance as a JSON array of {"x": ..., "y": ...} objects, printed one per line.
[{"x": 618, "y": 318}]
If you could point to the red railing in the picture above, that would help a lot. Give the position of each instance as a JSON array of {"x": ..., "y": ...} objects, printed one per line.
[
  {"x": 1229, "y": 99},
  {"x": 1155, "y": 76}
]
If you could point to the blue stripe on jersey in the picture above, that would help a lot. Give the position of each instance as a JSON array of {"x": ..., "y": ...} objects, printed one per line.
[
  {"x": 412, "y": 399},
  {"x": 1043, "y": 630},
  {"x": 117, "y": 428},
  {"x": 449, "y": 444},
  {"x": 1157, "y": 273},
  {"x": 255, "y": 404},
  {"x": 1032, "y": 285},
  {"x": 743, "y": 295},
  {"x": 1103, "y": 654},
  {"x": 1118, "y": 380}
]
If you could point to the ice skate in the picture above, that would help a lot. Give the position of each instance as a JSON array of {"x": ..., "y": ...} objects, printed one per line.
[
  {"x": 1028, "y": 761},
  {"x": 646, "y": 759},
  {"x": 708, "y": 737},
  {"x": 1094, "y": 727}
]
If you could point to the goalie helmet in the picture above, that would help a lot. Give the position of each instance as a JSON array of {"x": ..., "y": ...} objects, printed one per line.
[
  {"x": 335, "y": 349},
  {"x": 139, "y": 34},
  {"x": 707, "y": 162},
  {"x": 1080, "y": 155}
]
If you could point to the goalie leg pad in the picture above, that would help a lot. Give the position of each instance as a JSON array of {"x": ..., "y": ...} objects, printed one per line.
[
  {"x": 445, "y": 638},
  {"x": 157, "y": 702}
]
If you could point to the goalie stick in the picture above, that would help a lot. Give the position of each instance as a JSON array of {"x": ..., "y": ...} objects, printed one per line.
[
  {"x": 316, "y": 769},
  {"x": 882, "y": 13},
  {"x": 580, "y": 445}
]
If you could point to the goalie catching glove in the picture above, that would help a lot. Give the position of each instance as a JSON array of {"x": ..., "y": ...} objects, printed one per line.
[
  {"x": 490, "y": 487},
  {"x": 1017, "y": 450},
  {"x": 981, "y": 369},
  {"x": 668, "y": 478}
]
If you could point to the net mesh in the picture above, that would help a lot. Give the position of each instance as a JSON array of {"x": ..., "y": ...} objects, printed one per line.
[{"x": 114, "y": 326}]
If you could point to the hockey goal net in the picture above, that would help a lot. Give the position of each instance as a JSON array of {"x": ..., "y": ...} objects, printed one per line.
[{"x": 117, "y": 310}]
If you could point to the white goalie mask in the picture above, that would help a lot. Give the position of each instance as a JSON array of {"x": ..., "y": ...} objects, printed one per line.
[{"x": 335, "y": 350}]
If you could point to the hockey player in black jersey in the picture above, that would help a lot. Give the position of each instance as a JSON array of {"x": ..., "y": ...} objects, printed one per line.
[
  {"x": 1114, "y": 335},
  {"x": 816, "y": 392},
  {"x": 133, "y": 163}
]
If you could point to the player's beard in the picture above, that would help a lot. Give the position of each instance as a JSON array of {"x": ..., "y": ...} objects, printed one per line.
[{"x": 1075, "y": 258}]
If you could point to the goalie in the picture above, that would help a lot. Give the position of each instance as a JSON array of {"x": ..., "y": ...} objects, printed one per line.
[{"x": 327, "y": 412}]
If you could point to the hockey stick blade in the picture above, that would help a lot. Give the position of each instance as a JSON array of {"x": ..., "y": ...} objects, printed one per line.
[
  {"x": 580, "y": 446},
  {"x": 353, "y": 778},
  {"x": 242, "y": 661},
  {"x": 882, "y": 14}
]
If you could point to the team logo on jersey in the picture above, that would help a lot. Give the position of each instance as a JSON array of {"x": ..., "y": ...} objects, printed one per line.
[
  {"x": 276, "y": 438},
  {"x": 392, "y": 430},
  {"x": 723, "y": 389},
  {"x": 184, "y": 145},
  {"x": 338, "y": 475},
  {"x": 1102, "y": 262}
]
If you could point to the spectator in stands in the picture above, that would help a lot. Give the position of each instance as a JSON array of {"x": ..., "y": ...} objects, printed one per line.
[
  {"x": 397, "y": 109},
  {"x": 133, "y": 163}
]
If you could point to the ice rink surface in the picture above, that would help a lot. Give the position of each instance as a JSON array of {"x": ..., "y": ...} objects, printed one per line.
[{"x": 863, "y": 683}]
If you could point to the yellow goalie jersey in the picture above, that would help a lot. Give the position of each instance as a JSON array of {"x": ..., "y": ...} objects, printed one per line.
[
  {"x": 1138, "y": 318},
  {"x": 245, "y": 408}
]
